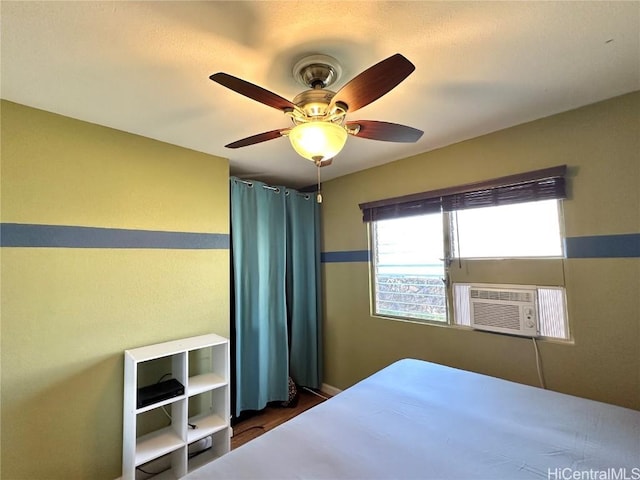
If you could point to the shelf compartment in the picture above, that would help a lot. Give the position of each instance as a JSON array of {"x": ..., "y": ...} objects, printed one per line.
[
  {"x": 201, "y": 460},
  {"x": 155, "y": 370},
  {"x": 220, "y": 444},
  {"x": 157, "y": 444},
  {"x": 208, "y": 424},
  {"x": 201, "y": 383},
  {"x": 209, "y": 360}
]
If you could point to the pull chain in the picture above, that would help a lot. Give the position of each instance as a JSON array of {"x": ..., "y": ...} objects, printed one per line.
[{"x": 319, "y": 196}]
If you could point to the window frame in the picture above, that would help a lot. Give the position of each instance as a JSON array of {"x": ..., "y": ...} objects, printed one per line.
[{"x": 447, "y": 218}]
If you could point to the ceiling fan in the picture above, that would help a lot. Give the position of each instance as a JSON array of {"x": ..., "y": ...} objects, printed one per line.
[{"x": 320, "y": 129}]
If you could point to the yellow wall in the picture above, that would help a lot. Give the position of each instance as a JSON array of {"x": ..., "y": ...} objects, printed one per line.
[
  {"x": 68, "y": 313},
  {"x": 601, "y": 145}
]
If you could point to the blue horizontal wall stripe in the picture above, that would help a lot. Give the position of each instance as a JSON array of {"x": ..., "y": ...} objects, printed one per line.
[
  {"x": 596, "y": 246},
  {"x": 604, "y": 246},
  {"x": 345, "y": 256},
  {"x": 64, "y": 236}
]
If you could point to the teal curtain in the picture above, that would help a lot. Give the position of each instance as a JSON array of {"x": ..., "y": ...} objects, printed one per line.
[
  {"x": 303, "y": 288},
  {"x": 258, "y": 236},
  {"x": 275, "y": 252}
]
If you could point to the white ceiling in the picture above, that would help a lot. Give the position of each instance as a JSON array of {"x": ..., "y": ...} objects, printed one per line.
[{"x": 143, "y": 67}]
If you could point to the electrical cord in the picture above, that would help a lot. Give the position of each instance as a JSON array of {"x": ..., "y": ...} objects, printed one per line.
[
  {"x": 261, "y": 427},
  {"x": 315, "y": 393},
  {"x": 165, "y": 412},
  {"x": 538, "y": 364},
  {"x": 191, "y": 425},
  {"x": 458, "y": 241},
  {"x": 148, "y": 473}
]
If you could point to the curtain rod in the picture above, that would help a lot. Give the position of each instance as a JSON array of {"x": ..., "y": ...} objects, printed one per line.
[
  {"x": 270, "y": 187},
  {"x": 275, "y": 189}
]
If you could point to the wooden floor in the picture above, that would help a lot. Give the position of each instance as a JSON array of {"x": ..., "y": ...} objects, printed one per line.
[{"x": 269, "y": 418}]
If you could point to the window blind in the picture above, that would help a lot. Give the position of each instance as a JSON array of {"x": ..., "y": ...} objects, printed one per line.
[
  {"x": 545, "y": 184},
  {"x": 545, "y": 189},
  {"x": 402, "y": 209}
]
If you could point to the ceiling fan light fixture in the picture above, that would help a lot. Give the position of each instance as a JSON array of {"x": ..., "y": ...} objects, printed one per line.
[{"x": 318, "y": 141}]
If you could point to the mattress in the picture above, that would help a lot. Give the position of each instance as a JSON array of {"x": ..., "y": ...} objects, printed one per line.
[{"x": 419, "y": 420}]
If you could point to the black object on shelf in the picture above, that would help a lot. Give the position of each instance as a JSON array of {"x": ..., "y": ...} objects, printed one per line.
[{"x": 158, "y": 392}]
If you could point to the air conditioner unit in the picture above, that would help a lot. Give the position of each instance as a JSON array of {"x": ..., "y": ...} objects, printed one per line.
[{"x": 504, "y": 308}]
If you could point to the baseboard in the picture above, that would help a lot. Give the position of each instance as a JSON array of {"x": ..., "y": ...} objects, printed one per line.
[{"x": 330, "y": 389}]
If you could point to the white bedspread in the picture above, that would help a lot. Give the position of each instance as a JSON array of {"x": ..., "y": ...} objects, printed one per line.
[{"x": 418, "y": 420}]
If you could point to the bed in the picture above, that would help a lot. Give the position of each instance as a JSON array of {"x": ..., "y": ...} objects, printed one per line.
[{"x": 419, "y": 420}]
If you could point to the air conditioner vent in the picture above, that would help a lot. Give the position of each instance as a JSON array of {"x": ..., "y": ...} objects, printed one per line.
[
  {"x": 504, "y": 308},
  {"x": 504, "y": 295},
  {"x": 503, "y": 316}
]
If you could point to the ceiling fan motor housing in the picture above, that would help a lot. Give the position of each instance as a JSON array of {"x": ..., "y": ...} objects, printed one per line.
[
  {"x": 314, "y": 102},
  {"x": 317, "y": 71}
]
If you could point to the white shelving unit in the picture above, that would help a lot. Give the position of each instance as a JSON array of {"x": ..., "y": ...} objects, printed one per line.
[{"x": 165, "y": 429}]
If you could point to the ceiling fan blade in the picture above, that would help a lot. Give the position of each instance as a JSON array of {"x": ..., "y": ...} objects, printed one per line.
[
  {"x": 374, "y": 82},
  {"x": 385, "y": 131},
  {"x": 252, "y": 91},
  {"x": 259, "y": 138}
]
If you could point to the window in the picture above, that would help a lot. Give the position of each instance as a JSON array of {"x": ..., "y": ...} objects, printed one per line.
[
  {"x": 408, "y": 252},
  {"x": 529, "y": 229},
  {"x": 415, "y": 238},
  {"x": 408, "y": 269}
]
